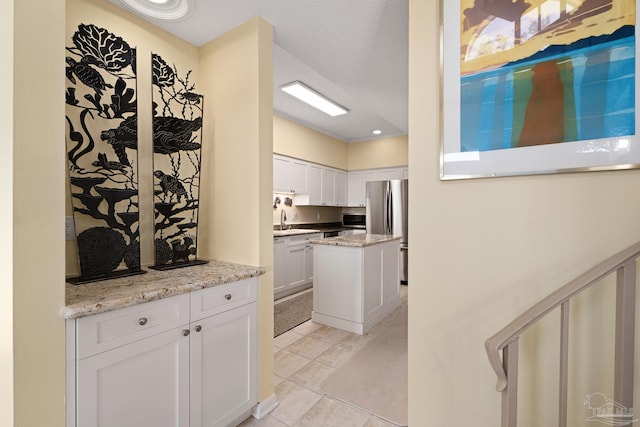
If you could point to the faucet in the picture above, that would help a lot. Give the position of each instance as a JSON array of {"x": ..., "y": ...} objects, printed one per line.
[{"x": 283, "y": 219}]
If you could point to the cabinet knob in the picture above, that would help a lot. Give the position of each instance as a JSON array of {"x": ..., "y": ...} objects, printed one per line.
[
  {"x": 142, "y": 321},
  {"x": 185, "y": 332},
  {"x": 198, "y": 328},
  {"x": 227, "y": 297}
]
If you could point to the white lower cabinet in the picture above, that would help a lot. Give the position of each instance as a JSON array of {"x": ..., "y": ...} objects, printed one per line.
[
  {"x": 142, "y": 383},
  {"x": 292, "y": 264},
  {"x": 187, "y": 360}
]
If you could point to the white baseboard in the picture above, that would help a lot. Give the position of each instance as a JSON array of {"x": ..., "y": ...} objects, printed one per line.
[{"x": 265, "y": 407}]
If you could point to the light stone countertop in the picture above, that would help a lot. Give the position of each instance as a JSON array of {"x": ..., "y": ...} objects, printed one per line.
[
  {"x": 355, "y": 240},
  {"x": 107, "y": 295}
]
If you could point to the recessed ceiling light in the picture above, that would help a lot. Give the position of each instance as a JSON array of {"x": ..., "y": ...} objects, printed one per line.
[
  {"x": 377, "y": 132},
  {"x": 305, "y": 94},
  {"x": 161, "y": 9}
]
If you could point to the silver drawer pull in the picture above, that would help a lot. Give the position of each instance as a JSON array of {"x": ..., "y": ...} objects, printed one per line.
[
  {"x": 142, "y": 321},
  {"x": 198, "y": 328},
  {"x": 227, "y": 297},
  {"x": 185, "y": 332}
]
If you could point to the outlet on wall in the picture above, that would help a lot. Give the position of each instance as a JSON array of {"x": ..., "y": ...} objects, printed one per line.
[{"x": 69, "y": 228}]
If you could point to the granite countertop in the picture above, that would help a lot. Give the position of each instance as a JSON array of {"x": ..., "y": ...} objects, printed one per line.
[
  {"x": 295, "y": 232},
  {"x": 99, "y": 297},
  {"x": 355, "y": 240}
]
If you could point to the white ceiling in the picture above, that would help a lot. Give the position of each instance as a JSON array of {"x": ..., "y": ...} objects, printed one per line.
[{"x": 352, "y": 51}]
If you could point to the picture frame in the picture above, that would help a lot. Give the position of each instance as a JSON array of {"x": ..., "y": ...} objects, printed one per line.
[{"x": 498, "y": 125}]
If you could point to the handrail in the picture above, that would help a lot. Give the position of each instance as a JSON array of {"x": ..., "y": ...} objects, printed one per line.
[{"x": 513, "y": 330}]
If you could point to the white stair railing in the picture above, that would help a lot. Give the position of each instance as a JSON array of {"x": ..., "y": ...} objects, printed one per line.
[{"x": 506, "y": 340}]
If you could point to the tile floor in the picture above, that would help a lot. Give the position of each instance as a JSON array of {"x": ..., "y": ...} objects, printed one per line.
[{"x": 303, "y": 358}]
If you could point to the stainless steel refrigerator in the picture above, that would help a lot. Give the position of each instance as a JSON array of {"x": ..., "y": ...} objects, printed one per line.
[{"x": 387, "y": 208}]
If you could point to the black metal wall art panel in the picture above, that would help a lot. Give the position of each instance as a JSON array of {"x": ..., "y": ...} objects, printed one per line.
[
  {"x": 102, "y": 143},
  {"x": 177, "y": 142}
]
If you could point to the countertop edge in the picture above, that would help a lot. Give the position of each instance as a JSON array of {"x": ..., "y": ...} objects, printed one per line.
[
  {"x": 355, "y": 241},
  {"x": 92, "y": 305}
]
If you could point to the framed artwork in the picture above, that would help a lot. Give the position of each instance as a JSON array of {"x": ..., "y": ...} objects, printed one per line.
[{"x": 538, "y": 86}]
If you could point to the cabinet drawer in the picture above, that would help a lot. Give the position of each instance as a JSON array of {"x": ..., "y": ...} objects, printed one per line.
[
  {"x": 106, "y": 331},
  {"x": 223, "y": 297}
]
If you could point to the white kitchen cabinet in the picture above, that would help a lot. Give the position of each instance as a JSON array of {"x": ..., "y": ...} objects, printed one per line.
[
  {"x": 142, "y": 383},
  {"x": 223, "y": 360},
  {"x": 357, "y": 182},
  {"x": 314, "y": 176},
  {"x": 295, "y": 264},
  {"x": 354, "y": 288},
  {"x": 391, "y": 173},
  {"x": 355, "y": 189},
  {"x": 186, "y": 360},
  {"x": 341, "y": 188},
  {"x": 279, "y": 264},
  {"x": 328, "y": 187},
  {"x": 289, "y": 175},
  {"x": 280, "y": 174}
]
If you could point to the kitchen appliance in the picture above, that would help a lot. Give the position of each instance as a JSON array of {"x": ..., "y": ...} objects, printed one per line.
[
  {"x": 386, "y": 213},
  {"x": 354, "y": 220}
]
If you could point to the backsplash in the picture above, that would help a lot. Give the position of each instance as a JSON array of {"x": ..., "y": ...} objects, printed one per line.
[{"x": 305, "y": 214}]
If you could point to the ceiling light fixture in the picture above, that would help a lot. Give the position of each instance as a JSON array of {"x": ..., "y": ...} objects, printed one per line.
[
  {"x": 161, "y": 9},
  {"x": 305, "y": 94},
  {"x": 377, "y": 132}
]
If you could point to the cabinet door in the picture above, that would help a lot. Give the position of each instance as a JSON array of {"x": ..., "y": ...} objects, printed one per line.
[
  {"x": 355, "y": 188},
  {"x": 341, "y": 188},
  {"x": 314, "y": 181},
  {"x": 308, "y": 262},
  {"x": 279, "y": 265},
  {"x": 145, "y": 383},
  {"x": 387, "y": 174},
  {"x": 223, "y": 367},
  {"x": 298, "y": 176},
  {"x": 281, "y": 175},
  {"x": 328, "y": 187},
  {"x": 294, "y": 271}
]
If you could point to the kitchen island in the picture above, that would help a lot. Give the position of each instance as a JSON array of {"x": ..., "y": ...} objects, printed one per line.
[{"x": 356, "y": 281}]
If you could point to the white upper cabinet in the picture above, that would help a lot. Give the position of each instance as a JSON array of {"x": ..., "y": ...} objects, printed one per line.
[
  {"x": 355, "y": 189},
  {"x": 280, "y": 174},
  {"x": 289, "y": 175},
  {"x": 314, "y": 175},
  {"x": 328, "y": 187},
  {"x": 386, "y": 174},
  {"x": 341, "y": 188},
  {"x": 317, "y": 185},
  {"x": 357, "y": 186}
]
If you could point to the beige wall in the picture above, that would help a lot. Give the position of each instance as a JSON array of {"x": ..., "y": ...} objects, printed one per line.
[
  {"x": 294, "y": 140},
  {"x": 146, "y": 39},
  {"x": 33, "y": 272},
  {"x": 237, "y": 173},
  {"x": 378, "y": 153},
  {"x": 485, "y": 250}
]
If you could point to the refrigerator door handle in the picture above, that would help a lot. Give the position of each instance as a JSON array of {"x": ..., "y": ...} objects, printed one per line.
[
  {"x": 391, "y": 224},
  {"x": 387, "y": 210}
]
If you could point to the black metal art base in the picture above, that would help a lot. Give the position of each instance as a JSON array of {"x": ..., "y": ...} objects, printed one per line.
[
  {"x": 173, "y": 265},
  {"x": 81, "y": 280}
]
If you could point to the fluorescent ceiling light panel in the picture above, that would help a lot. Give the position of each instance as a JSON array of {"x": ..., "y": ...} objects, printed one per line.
[{"x": 313, "y": 98}]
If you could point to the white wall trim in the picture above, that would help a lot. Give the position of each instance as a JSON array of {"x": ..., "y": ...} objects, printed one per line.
[{"x": 263, "y": 408}]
